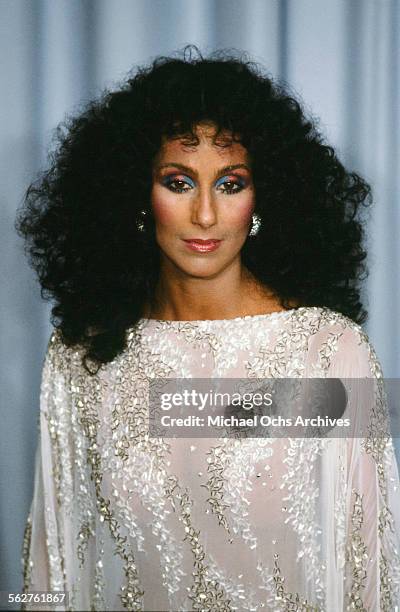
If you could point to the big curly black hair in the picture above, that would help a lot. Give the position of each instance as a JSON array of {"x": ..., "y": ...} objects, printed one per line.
[{"x": 81, "y": 218}]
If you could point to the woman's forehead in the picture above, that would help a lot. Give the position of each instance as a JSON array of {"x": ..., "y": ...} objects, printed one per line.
[
  {"x": 205, "y": 136},
  {"x": 204, "y": 131}
]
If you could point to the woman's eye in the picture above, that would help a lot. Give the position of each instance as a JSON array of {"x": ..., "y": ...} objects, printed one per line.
[
  {"x": 229, "y": 186},
  {"x": 178, "y": 185}
]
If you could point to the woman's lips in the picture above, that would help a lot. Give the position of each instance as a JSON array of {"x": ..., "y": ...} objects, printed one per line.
[{"x": 203, "y": 246}]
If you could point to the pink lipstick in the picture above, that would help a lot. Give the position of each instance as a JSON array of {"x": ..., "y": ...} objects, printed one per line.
[{"x": 202, "y": 246}]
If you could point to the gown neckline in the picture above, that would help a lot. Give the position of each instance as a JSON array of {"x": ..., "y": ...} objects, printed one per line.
[{"x": 256, "y": 317}]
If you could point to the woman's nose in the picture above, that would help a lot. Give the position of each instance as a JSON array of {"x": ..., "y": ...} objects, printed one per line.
[{"x": 204, "y": 209}]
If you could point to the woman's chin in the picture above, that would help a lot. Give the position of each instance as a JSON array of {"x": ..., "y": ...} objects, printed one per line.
[{"x": 201, "y": 270}]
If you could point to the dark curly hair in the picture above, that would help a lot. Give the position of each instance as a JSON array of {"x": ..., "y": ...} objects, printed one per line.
[{"x": 81, "y": 217}]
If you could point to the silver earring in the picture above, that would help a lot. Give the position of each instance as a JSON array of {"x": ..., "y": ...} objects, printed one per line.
[
  {"x": 140, "y": 224},
  {"x": 255, "y": 224}
]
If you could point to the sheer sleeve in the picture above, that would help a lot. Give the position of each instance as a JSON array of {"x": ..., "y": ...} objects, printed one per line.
[
  {"x": 43, "y": 557},
  {"x": 367, "y": 498}
]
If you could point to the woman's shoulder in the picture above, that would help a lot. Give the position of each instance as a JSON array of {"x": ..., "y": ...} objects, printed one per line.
[
  {"x": 57, "y": 351},
  {"x": 60, "y": 356},
  {"x": 324, "y": 320},
  {"x": 337, "y": 338}
]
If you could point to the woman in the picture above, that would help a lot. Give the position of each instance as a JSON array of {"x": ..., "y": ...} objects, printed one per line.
[{"x": 193, "y": 224}]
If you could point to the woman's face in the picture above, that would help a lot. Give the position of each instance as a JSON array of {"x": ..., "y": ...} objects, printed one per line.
[{"x": 202, "y": 192}]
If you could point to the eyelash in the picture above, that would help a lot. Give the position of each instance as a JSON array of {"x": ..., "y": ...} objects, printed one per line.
[{"x": 168, "y": 183}]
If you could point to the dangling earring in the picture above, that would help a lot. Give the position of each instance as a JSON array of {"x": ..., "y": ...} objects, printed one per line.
[
  {"x": 255, "y": 224},
  {"x": 140, "y": 223}
]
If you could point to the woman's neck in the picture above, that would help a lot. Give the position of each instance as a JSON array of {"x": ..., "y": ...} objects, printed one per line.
[{"x": 200, "y": 298}]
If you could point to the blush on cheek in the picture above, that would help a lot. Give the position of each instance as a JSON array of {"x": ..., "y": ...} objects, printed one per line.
[
  {"x": 162, "y": 211},
  {"x": 244, "y": 215}
]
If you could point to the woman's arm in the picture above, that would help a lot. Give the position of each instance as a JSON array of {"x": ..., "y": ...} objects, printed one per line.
[
  {"x": 43, "y": 549},
  {"x": 372, "y": 489}
]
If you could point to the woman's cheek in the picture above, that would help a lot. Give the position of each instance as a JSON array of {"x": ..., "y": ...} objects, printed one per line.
[
  {"x": 244, "y": 212},
  {"x": 164, "y": 210}
]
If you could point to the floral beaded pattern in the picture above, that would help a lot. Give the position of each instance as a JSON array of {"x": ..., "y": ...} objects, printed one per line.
[{"x": 133, "y": 522}]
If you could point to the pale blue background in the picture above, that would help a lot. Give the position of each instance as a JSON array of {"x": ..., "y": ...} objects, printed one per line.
[{"x": 340, "y": 56}]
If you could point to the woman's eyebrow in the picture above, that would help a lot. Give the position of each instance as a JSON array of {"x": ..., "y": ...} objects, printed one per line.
[
  {"x": 194, "y": 172},
  {"x": 179, "y": 166},
  {"x": 228, "y": 169}
]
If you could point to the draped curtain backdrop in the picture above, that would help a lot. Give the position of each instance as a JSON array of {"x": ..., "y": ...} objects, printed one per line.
[{"x": 340, "y": 57}]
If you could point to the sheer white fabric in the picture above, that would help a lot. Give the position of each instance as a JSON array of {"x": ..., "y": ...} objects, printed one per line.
[{"x": 121, "y": 520}]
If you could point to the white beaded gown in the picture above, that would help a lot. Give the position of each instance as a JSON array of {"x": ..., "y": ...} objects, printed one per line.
[{"x": 121, "y": 520}]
